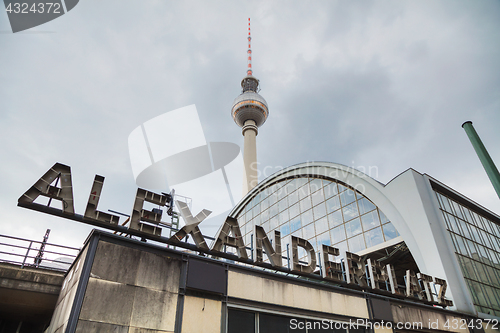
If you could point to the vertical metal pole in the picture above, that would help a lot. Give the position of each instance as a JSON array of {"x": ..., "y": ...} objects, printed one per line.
[
  {"x": 319, "y": 264},
  {"x": 288, "y": 255},
  {"x": 26, "y": 256},
  {"x": 483, "y": 155},
  {"x": 251, "y": 246}
]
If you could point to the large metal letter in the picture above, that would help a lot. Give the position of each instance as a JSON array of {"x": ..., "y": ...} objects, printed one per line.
[
  {"x": 356, "y": 272},
  {"x": 230, "y": 226},
  {"x": 442, "y": 291},
  {"x": 297, "y": 267},
  {"x": 43, "y": 187},
  {"x": 139, "y": 214},
  {"x": 191, "y": 226},
  {"x": 425, "y": 280},
  {"x": 393, "y": 280},
  {"x": 379, "y": 274},
  {"x": 331, "y": 270},
  {"x": 261, "y": 241},
  {"x": 91, "y": 211},
  {"x": 412, "y": 286}
]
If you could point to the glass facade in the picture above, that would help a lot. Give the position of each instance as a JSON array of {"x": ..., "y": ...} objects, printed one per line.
[
  {"x": 477, "y": 246},
  {"x": 319, "y": 210}
]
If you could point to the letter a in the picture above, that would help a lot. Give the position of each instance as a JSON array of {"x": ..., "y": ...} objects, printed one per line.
[{"x": 59, "y": 172}]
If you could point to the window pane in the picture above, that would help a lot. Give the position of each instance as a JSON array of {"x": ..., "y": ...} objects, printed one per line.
[
  {"x": 264, "y": 204},
  {"x": 317, "y": 197},
  {"x": 319, "y": 211},
  {"x": 446, "y": 203},
  {"x": 365, "y": 205},
  {"x": 293, "y": 198},
  {"x": 467, "y": 268},
  {"x": 347, "y": 197},
  {"x": 383, "y": 218},
  {"x": 273, "y": 210},
  {"x": 306, "y": 217},
  {"x": 335, "y": 218},
  {"x": 308, "y": 231},
  {"x": 240, "y": 321},
  {"x": 338, "y": 234},
  {"x": 460, "y": 244},
  {"x": 283, "y": 216},
  {"x": 350, "y": 211},
  {"x": 374, "y": 237},
  {"x": 389, "y": 231},
  {"x": 269, "y": 323},
  {"x": 342, "y": 247},
  {"x": 295, "y": 224},
  {"x": 356, "y": 244},
  {"x": 333, "y": 204},
  {"x": 282, "y": 205},
  {"x": 304, "y": 191},
  {"x": 330, "y": 190},
  {"x": 456, "y": 209},
  {"x": 265, "y": 215},
  {"x": 324, "y": 239},
  {"x": 274, "y": 222},
  {"x": 353, "y": 227},
  {"x": 370, "y": 220},
  {"x": 285, "y": 229},
  {"x": 305, "y": 204},
  {"x": 321, "y": 225}
]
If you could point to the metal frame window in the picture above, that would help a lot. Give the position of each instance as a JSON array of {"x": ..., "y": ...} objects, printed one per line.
[
  {"x": 476, "y": 240},
  {"x": 253, "y": 321}
]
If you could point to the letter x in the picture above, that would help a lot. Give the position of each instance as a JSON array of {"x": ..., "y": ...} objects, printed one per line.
[{"x": 191, "y": 226}]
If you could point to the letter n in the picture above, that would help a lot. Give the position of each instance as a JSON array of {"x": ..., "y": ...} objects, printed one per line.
[{"x": 261, "y": 241}]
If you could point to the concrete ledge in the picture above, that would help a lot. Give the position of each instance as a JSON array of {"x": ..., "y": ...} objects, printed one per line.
[
  {"x": 28, "y": 294},
  {"x": 30, "y": 279}
]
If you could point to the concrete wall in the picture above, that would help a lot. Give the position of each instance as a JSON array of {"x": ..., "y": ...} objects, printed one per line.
[
  {"x": 432, "y": 320},
  {"x": 201, "y": 315},
  {"x": 260, "y": 289},
  {"x": 126, "y": 290},
  {"x": 66, "y": 297},
  {"x": 124, "y": 283}
]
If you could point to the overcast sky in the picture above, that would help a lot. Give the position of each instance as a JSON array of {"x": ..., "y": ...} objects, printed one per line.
[{"x": 383, "y": 84}]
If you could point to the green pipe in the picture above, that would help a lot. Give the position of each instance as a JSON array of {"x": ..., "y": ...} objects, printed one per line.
[{"x": 483, "y": 155}]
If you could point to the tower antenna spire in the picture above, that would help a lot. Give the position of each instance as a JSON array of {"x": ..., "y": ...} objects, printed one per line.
[
  {"x": 249, "y": 52},
  {"x": 249, "y": 111}
]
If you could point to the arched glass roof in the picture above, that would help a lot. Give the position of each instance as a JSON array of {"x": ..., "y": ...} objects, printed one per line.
[{"x": 318, "y": 210}]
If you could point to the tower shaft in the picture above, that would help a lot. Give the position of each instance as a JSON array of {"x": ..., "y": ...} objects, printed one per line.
[{"x": 250, "y": 176}]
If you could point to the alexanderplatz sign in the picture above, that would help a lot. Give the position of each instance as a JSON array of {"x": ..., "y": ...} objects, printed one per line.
[{"x": 369, "y": 276}]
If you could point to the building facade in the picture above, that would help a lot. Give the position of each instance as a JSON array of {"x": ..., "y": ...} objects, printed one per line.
[
  {"x": 118, "y": 284},
  {"x": 428, "y": 226}
]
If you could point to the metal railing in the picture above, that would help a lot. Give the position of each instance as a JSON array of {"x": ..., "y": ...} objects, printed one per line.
[{"x": 31, "y": 253}]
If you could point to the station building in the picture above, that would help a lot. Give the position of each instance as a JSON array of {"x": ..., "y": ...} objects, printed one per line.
[
  {"x": 120, "y": 284},
  {"x": 414, "y": 221}
]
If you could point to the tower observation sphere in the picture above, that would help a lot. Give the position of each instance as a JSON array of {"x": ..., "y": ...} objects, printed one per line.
[
  {"x": 250, "y": 105},
  {"x": 249, "y": 111}
]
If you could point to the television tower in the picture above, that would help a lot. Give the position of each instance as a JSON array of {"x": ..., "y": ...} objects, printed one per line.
[{"x": 249, "y": 111}]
